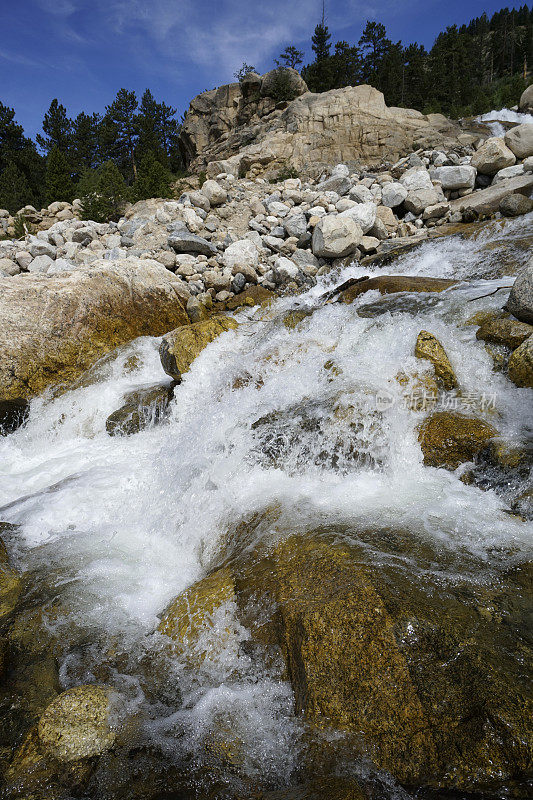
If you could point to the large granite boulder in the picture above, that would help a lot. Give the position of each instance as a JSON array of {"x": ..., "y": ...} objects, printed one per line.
[
  {"x": 526, "y": 100},
  {"x": 54, "y": 328},
  {"x": 520, "y": 140},
  {"x": 493, "y": 156}
]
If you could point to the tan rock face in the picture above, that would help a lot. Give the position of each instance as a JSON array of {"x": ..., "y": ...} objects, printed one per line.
[
  {"x": 179, "y": 348},
  {"x": 448, "y": 439},
  {"x": 54, "y": 328},
  {"x": 224, "y": 131},
  {"x": 429, "y": 347}
]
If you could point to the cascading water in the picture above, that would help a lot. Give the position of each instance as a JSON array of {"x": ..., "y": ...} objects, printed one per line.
[
  {"x": 496, "y": 120},
  {"x": 308, "y": 418}
]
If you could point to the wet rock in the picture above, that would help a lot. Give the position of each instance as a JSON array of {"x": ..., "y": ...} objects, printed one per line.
[
  {"x": 429, "y": 347},
  {"x": 521, "y": 364},
  {"x": 520, "y": 302},
  {"x": 449, "y": 439},
  {"x": 416, "y": 674},
  {"x": 10, "y": 584},
  {"x": 515, "y": 205},
  {"x": 503, "y": 329},
  {"x": 141, "y": 408},
  {"x": 192, "y": 612},
  {"x": 88, "y": 313},
  {"x": 78, "y": 723},
  {"x": 13, "y": 414},
  {"x": 389, "y": 284},
  {"x": 251, "y": 296},
  {"x": 34, "y": 775},
  {"x": 180, "y": 347}
]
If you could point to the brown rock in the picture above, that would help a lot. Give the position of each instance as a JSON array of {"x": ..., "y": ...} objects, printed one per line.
[
  {"x": 77, "y": 724},
  {"x": 448, "y": 439},
  {"x": 140, "y": 409},
  {"x": 389, "y": 284}
]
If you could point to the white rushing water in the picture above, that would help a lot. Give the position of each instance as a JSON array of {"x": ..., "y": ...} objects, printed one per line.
[
  {"x": 494, "y": 120},
  {"x": 118, "y": 526}
]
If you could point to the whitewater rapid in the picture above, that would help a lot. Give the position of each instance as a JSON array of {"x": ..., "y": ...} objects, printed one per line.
[{"x": 113, "y": 528}]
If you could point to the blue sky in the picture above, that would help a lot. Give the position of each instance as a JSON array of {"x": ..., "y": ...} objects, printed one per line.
[{"x": 83, "y": 51}]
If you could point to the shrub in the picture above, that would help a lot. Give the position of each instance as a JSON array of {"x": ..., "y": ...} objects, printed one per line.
[
  {"x": 103, "y": 193},
  {"x": 282, "y": 88},
  {"x": 153, "y": 180}
]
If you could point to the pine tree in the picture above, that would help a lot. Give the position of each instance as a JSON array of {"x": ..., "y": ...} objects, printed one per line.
[
  {"x": 57, "y": 128},
  {"x": 153, "y": 179},
  {"x": 374, "y": 45},
  {"x": 58, "y": 178},
  {"x": 319, "y": 75},
  {"x": 291, "y": 57},
  {"x": 102, "y": 193},
  {"x": 119, "y": 132},
  {"x": 346, "y": 65},
  {"x": 15, "y": 190},
  {"x": 243, "y": 71},
  {"x": 85, "y": 142},
  {"x": 18, "y": 151}
]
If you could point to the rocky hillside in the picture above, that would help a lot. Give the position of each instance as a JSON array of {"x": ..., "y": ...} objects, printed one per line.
[{"x": 242, "y": 129}]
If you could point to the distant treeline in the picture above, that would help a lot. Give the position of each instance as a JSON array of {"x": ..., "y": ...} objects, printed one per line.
[
  {"x": 132, "y": 149},
  {"x": 469, "y": 70},
  {"x": 133, "y": 146}
]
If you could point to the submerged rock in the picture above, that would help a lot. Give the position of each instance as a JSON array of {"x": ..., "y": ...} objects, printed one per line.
[
  {"x": 78, "y": 723},
  {"x": 179, "y": 348},
  {"x": 428, "y": 347},
  {"x": 448, "y": 439},
  {"x": 141, "y": 409}
]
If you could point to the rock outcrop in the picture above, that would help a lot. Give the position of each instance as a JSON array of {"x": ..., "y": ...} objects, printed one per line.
[
  {"x": 237, "y": 129},
  {"x": 54, "y": 328}
]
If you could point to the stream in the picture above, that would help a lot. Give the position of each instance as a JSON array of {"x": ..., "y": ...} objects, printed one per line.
[{"x": 108, "y": 530}]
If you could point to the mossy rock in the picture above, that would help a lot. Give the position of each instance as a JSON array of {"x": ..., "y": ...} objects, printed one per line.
[
  {"x": 180, "y": 347},
  {"x": 428, "y": 347},
  {"x": 141, "y": 409},
  {"x": 449, "y": 439},
  {"x": 521, "y": 364},
  {"x": 252, "y": 296}
]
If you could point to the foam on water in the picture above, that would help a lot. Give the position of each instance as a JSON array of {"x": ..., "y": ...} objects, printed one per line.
[
  {"x": 311, "y": 420},
  {"x": 494, "y": 120}
]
